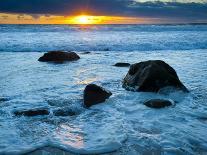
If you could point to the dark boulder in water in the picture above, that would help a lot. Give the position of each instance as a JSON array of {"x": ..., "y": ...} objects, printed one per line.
[
  {"x": 158, "y": 103},
  {"x": 94, "y": 94},
  {"x": 59, "y": 57},
  {"x": 3, "y": 99},
  {"x": 32, "y": 112},
  {"x": 122, "y": 64},
  {"x": 64, "y": 112},
  {"x": 151, "y": 76}
]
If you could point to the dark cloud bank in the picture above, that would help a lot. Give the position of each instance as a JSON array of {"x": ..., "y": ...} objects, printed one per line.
[{"x": 174, "y": 10}]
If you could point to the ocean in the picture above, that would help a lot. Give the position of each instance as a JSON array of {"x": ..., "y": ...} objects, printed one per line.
[{"x": 121, "y": 125}]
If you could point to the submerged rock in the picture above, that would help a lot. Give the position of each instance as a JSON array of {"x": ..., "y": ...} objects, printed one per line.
[
  {"x": 94, "y": 94},
  {"x": 158, "y": 103},
  {"x": 3, "y": 99},
  {"x": 59, "y": 57},
  {"x": 32, "y": 112},
  {"x": 64, "y": 112},
  {"x": 122, "y": 64},
  {"x": 86, "y": 53},
  {"x": 106, "y": 49},
  {"x": 151, "y": 76}
]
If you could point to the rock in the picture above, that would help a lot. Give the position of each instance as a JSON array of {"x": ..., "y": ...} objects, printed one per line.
[
  {"x": 151, "y": 76},
  {"x": 3, "y": 99},
  {"x": 86, "y": 53},
  {"x": 32, "y": 112},
  {"x": 158, "y": 103},
  {"x": 94, "y": 94},
  {"x": 59, "y": 57},
  {"x": 63, "y": 112},
  {"x": 122, "y": 64},
  {"x": 106, "y": 49}
]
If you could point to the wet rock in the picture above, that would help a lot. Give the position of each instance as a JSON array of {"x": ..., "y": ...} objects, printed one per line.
[
  {"x": 59, "y": 57},
  {"x": 158, "y": 103},
  {"x": 122, "y": 64},
  {"x": 64, "y": 112},
  {"x": 86, "y": 53},
  {"x": 94, "y": 94},
  {"x": 3, "y": 99},
  {"x": 106, "y": 49},
  {"x": 151, "y": 76},
  {"x": 32, "y": 112}
]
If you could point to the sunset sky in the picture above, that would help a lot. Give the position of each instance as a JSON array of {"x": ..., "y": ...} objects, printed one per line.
[{"x": 102, "y": 11}]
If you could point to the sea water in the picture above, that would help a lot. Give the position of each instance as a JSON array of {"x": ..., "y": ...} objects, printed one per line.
[{"x": 121, "y": 125}]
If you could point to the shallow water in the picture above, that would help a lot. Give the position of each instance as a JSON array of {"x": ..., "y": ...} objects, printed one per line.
[
  {"x": 122, "y": 120},
  {"x": 121, "y": 124}
]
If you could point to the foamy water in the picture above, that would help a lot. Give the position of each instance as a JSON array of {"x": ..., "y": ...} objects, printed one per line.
[
  {"x": 32, "y": 38},
  {"x": 121, "y": 124}
]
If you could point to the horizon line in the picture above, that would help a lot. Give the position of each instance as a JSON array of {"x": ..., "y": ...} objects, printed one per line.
[{"x": 190, "y": 23}]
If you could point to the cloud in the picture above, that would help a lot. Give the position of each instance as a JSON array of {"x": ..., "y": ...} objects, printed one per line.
[
  {"x": 170, "y": 10},
  {"x": 20, "y": 17},
  {"x": 173, "y": 9}
]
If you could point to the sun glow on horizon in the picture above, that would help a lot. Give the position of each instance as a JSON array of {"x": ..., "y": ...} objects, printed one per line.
[
  {"x": 81, "y": 19},
  {"x": 93, "y": 20},
  {"x": 84, "y": 19}
]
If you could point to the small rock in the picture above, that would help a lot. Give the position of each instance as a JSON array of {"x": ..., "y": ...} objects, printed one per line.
[
  {"x": 63, "y": 112},
  {"x": 59, "y": 57},
  {"x": 122, "y": 64},
  {"x": 94, "y": 94},
  {"x": 86, "y": 53},
  {"x": 106, "y": 49},
  {"x": 3, "y": 99},
  {"x": 32, "y": 112},
  {"x": 158, "y": 103}
]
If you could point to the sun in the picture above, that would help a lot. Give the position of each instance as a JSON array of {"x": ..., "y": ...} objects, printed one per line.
[{"x": 84, "y": 20}]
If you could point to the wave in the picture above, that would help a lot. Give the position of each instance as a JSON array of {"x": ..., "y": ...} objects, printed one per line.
[{"x": 40, "y": 38}]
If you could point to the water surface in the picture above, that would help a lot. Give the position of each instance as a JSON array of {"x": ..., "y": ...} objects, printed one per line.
[{"x": 122, "y": 124}]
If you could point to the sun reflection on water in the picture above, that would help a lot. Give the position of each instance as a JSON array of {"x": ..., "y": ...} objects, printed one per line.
[
  {"x": 71, "y": 136},
  {"x": 87, "y": 81}
]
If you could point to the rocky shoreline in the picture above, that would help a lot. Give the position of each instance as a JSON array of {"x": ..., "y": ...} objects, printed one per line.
[{"x": 147, "y": 76}]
